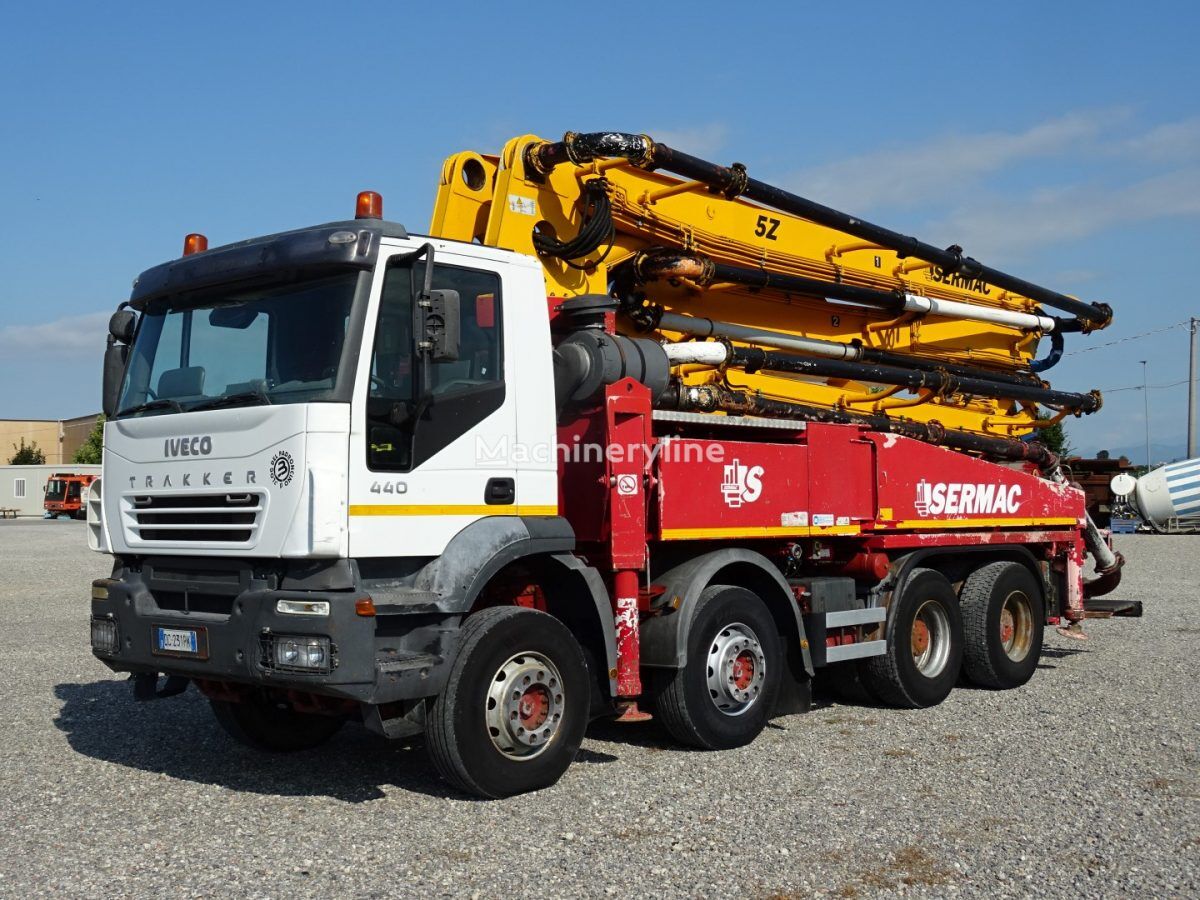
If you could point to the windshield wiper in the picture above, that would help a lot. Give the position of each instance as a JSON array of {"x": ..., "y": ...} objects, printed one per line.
[
  {"x": 234, "y": 400},
  {"x": 160, "y": 403}
]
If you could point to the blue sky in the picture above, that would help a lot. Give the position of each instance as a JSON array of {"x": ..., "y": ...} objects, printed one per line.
[{"x": 1060, "y": 141}]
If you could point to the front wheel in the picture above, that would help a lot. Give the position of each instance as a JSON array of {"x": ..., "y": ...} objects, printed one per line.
[
  {"x": 266, "y": 724},
  {"x": 515, "y": 707},
  {"x": 723, "y": 695},
  {"x": 925, "y": 644}
]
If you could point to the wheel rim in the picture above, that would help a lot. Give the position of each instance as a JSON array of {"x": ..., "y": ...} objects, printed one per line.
[
  {"x": 930, "y": 638},
  {"x": 737, "y": 669},
  {"x": 1016, "y": 626},
  {"x": 524, "y": 706}
]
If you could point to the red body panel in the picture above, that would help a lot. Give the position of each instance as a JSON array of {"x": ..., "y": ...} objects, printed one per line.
[{"x": 842, "y": 480}]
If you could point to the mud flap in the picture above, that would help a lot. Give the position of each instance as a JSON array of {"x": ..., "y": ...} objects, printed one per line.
[{"x": 145, "y": 686}]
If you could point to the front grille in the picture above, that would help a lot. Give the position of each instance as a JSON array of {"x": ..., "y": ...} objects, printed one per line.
[
  {"x": 232, "y": 518},
  {"x": 193, "y": 602}
]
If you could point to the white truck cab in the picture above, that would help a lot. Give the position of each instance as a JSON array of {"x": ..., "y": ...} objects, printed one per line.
[
  {"x": 311, "y": 471},
  {"x": 277, "y": 416}
]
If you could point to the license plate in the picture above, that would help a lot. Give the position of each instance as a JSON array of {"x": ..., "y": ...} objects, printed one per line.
[{"x": 176, "y": 641}]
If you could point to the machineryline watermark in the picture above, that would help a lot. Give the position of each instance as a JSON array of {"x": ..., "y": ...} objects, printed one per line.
[{"x": 577, "y": 450}]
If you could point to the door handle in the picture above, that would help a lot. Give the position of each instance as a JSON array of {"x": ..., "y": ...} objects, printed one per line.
[{"x": 500, "y": 491}]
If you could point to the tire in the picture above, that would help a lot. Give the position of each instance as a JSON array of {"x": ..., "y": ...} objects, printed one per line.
[
  {"x": 923, "y": 660},
  {"x": 723, "y": 695},
  {"x": 274, "y": 726},
  {"x": 492, "y": 743},
  {"x": 1003, "y": 619}
]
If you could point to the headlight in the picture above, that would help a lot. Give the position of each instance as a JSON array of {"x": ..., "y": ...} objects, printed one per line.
[
  {"x": 104, "y": 636},
  {"x": 303, "y": 654},
  {"x": 302, "y": 607}
]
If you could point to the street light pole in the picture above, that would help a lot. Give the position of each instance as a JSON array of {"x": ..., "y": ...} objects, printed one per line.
[
  {"x": 1146, "y": 399},
  {"x": 1191, "y": 438}
]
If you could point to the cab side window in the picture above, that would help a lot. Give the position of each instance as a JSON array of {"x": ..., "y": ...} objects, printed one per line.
[
  {"x": 415, "y": 408},
  {"x": 478, "y": 360}
]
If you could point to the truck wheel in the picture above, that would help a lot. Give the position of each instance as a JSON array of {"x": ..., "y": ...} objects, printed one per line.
[
  {"x": 1003, "y": 618},
  {"x": 264, "y": 724},
  {"x": 515, "y": 707},
  {"x": 925, "y": 645},
  {"x": 723, "y": 696}
]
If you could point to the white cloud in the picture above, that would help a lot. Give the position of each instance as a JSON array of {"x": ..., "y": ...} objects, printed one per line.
[
  {"x": 1010, "y": 226},
  {"x": 70, "y": 334},
  {"x": 703, "y": 140},
  {"x": 1173, "y": 141},
  {"x": 944, "y": 166}
]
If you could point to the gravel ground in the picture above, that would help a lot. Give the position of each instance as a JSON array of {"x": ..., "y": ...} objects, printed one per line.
[{"x": 1084, "y": 782}]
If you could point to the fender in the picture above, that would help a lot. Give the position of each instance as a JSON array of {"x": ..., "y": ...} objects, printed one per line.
[
  {"x": 487, "y": 545},
  {"x": 482, "y": 549},
  {"x": 604, "y": 612},
  {"x": 664, "y": 637}
]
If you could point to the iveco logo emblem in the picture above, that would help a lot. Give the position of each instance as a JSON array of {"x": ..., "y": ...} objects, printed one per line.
[
  {"x": 188, "y": 446},
  {"x": 282, "y": 468}
]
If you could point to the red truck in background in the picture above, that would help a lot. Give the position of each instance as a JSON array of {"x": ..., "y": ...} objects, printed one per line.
[{"x": 64, "y": 494}]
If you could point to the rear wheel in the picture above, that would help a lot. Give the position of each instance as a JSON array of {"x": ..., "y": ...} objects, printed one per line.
[
  {"x": 265, "y": 724},
  {"x": 1003, "y": 618},
  {"x": 925, "y": 644},
  {"x": 515, "y": 707},
  {"x": 723, "y": 695}
]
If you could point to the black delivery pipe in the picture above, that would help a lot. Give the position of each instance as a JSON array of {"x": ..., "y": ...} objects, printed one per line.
[
  {"x": 871, "y": 355},
  {"x": 710, "y": 397},
  {"x": 734, "y": 182},
  {"x": 753, "y": 359}
]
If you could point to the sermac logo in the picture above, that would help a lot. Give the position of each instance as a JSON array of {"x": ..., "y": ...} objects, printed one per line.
[
  {"x": 966, "y": 499},
  {"x": 742, "y": 484}
]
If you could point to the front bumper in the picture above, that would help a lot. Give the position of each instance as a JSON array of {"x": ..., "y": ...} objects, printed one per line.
[{"x": 375, "y": 659}]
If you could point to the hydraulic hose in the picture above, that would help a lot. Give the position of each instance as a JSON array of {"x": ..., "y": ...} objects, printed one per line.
[
  {"x": 597, "y": 228},
  {"x": 1052, "y": 358}
]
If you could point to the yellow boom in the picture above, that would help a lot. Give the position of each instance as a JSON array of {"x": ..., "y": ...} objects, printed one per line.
[{"x": 878, "y": 325}]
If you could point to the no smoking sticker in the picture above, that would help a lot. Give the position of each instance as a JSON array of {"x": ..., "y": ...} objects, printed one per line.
[{"x": 627, "y": 485}]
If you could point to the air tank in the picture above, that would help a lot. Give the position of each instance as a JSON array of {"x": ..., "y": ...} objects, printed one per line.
[{"x": 1168, "y": 492}]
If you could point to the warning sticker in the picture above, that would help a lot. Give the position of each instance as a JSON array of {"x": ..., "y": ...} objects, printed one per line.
[{"x": 526, "y": 206}]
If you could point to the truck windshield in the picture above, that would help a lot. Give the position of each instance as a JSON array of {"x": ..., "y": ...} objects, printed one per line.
[
  {"x": 240, "y": 347},
  {"x": 56, "y": 489}
]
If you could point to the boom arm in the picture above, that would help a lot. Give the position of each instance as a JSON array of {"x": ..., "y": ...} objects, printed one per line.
[{"x": 693, "y": 258}]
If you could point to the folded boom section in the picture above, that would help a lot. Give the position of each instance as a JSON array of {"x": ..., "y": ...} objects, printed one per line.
[{"x": 815, "y": 309}]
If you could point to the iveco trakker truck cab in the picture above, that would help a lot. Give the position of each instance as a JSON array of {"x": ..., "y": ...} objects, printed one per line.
[{"x": 302, "y": 490}]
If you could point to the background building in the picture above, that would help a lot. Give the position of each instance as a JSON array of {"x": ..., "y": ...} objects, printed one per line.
[
  {"x": 23, "y": 487},
  {"x": 57, "y": 438}
]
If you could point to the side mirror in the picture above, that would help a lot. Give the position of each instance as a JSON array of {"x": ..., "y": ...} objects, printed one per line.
[
  {"x": 122, "y": 325},
  {"x": 441, "y": 328},
  {"x": 115, "y": 357}
]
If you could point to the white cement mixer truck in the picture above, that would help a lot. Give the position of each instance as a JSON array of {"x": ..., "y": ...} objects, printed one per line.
[{"x": 1167, "y": 498}]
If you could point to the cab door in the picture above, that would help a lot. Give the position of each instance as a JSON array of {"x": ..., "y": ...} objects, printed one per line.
[{"x": 431, "y": 441}]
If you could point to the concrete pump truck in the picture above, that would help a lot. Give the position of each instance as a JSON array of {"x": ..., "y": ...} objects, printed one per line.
[{"x": 629, "y": 433}]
